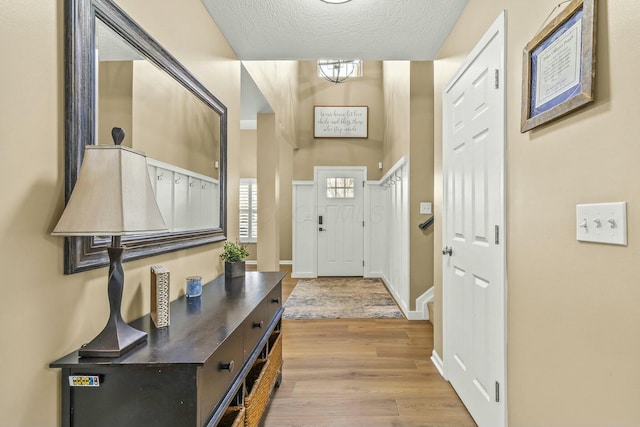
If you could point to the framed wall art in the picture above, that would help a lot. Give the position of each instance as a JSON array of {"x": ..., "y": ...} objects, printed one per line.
[
  {"x": 340, "y": 122},
  {"x": 558, "y": 67}
]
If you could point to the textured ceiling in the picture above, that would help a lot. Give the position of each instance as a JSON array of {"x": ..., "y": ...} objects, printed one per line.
[{"x": 312, "y": 29}]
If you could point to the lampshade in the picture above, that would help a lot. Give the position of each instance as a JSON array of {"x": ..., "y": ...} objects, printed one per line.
[{"x": 112, "y": 196}]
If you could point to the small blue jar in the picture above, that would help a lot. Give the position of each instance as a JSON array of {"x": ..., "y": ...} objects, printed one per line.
[{"x": 194, "y": 286}]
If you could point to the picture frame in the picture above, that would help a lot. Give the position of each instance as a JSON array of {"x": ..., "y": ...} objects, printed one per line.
[
  {"x": 558, "y": 66},
  {"x": 331, "y": 121}
]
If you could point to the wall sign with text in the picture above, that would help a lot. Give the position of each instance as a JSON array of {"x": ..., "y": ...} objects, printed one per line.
[
  {"x": 559, "y": 66},
  {"x": 340, "y": 122}
]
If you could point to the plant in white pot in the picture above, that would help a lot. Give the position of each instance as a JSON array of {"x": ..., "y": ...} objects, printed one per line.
[{"x": 233, "y": 255}]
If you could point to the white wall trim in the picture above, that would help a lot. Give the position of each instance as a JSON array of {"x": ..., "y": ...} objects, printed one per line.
[
  {"x": 255, "y": 262},
  {"x": 422, "y": 301},
  {"x": 403, "y": 160},
  {"x": 303, "y": 233},
  {"x": 437, "y": 362},
  {"x": 397, "y": 298}
]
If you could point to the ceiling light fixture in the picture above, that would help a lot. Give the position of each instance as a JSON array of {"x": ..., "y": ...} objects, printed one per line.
[
  {"x": 335, "y": 1},
  {"x": 338, "y": 70}
]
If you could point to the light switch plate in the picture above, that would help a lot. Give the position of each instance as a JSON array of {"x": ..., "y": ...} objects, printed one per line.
[
  {"x": 425, "y": 208},
  {"x": 602, "y": 223}
]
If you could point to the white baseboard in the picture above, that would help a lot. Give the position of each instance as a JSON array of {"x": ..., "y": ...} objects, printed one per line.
[
  {"x": 416, "y": 315},
  {"x": 303, "y": 275},
  {"x": 255, "y": 262},
  {"x": 438, "y": 363}
]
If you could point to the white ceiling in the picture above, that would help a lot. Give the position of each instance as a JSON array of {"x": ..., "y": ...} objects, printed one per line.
[{"x": 313, "y": 29}]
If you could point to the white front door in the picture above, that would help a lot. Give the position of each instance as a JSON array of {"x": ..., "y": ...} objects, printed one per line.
[
  {"x": 474, "y": 255},
  {"x": 340, "y": 194}
]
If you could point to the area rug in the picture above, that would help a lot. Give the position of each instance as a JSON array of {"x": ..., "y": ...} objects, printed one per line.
[{"x": 341, "y": 298}]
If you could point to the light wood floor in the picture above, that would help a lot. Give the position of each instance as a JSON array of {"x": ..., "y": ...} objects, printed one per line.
[{"x": 363, "y": 372}]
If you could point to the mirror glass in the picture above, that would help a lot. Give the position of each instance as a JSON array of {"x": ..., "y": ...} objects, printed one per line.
[
  {"x": 117, "y": 75},
  {"x": 178, "y": 132}
]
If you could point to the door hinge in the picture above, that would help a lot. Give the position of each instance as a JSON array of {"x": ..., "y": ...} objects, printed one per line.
[
  {"x": 363, "y": 223},
  {"x": 362, "y": 184},
  {"x": 497, "y": 82},
  {"x": 497, "y": 235},
  {"x": 497, "y": 392},
  {"x": 363, "y": 263}
]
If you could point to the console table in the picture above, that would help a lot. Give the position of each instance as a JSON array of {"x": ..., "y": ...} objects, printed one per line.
[{"x": 191, "y": 372}]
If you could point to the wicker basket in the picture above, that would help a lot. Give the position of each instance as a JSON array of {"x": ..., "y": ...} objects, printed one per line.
[
  {"x": 233, "y": 417},
  {"x": 275, "y": 351},
  {"x": 258, "y": 382}
]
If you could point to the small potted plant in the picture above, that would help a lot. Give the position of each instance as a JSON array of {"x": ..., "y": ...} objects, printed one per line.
[{"x": 233, "y": 255}]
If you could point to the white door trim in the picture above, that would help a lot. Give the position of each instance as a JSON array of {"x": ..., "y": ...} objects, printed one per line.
[{"x": 497, "y": 29}]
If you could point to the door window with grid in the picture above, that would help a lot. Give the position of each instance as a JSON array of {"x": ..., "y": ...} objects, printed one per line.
[{"x": 340, "y": 188}]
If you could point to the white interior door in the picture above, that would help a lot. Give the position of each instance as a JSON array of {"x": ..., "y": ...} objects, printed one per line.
[
  {"x": 340, "y": 196},
  {"x": 474, "y": 256}
]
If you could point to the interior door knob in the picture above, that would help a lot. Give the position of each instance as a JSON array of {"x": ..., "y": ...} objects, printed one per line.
[{"x": 447, "y": 251}]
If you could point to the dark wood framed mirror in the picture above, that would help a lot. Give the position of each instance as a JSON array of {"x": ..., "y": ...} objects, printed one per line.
[{"x": 192, "y": 146}]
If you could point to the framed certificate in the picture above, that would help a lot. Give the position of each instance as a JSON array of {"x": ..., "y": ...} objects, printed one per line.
[{"x": 558, "y": 66}]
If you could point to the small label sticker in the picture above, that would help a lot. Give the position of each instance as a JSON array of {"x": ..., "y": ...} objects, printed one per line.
[{"x": 84, "y": 381}]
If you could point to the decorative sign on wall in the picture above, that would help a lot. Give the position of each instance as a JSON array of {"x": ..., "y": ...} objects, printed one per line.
[
  {"x": 340, "y": 122},
  {"x": 558, "y": 66}
]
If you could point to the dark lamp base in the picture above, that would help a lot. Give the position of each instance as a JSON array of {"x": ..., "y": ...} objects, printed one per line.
[
  {"x": 117, "y": 337},
  {"x": 113, "y": 341}
]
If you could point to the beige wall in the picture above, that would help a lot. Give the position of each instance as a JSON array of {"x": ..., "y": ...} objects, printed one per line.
[
  {"x": 285, "y": 173},
  {"x": 573, "y": 321},
  {"x": 278, "y": 82},
  {"x": 268, "y": 194},
  {"x": 408, "y": 109},
  {"x": 115, "y": 100},
  {"x": 45, "y": 313},
  {"x": 171, "y": 124},
  {"x": 397, "y": 111},
  {"x": 313, "y": 90},
  {"x": 420, "y": 178},
  {"x": 248, "y": 148},
  {"x": 292, "y": 89}
]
